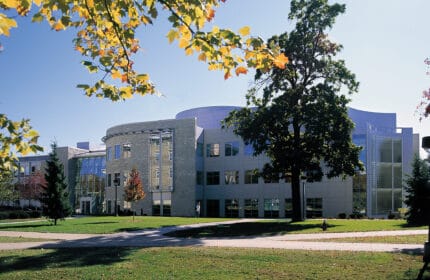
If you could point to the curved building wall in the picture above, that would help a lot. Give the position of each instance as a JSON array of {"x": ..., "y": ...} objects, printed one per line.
[
  {"x": 207, "y": 117},
  {"x": 164, "y": 154}
]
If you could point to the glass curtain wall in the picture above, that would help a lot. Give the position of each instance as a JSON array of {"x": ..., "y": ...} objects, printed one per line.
[
  {"x": 161, "y": 169},
  {"x": 90, "y": 184}
]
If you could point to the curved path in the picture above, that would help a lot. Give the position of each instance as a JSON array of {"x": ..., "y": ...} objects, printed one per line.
[{"x": 156, "y": 238}]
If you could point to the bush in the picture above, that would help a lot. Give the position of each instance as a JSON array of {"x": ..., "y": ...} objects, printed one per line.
[{"x": 341, "y": 216}]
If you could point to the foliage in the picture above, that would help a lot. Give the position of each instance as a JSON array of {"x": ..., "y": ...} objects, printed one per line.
[
  {"x": 302, "y": 120},
  {"x": 133, "y": 189},
  {"x": 7, "y": 188},
  {"x": 418, "y": 193},
  {"x": 423, "y": 108},
  {"x": 32, "y": 186},
  {"x": 106, "y": 36},
  {"x": 15, "y": 137},
  {"x": 55, "y": 198}
]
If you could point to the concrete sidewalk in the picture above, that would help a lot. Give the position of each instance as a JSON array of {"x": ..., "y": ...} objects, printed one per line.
[{"x": 156, "y": 238}]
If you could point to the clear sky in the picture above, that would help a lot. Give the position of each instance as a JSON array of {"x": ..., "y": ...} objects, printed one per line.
[{"x": 385, "y": 44}]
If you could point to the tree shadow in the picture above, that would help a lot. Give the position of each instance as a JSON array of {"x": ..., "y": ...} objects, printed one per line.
[{"x": 65, "y": 257}]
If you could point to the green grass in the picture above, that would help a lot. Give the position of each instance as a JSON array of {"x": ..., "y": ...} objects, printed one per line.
[
  {"x": 204, "y": 263},
  {"x": 277, "y": 227},
  {"x": 100, "y": 225},
  {"x": 401, "y": 239}
]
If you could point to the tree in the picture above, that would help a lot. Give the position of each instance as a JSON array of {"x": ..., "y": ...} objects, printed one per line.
[
  {"x": 133, "y": 189},
  {"x": 106, "y": 37},
  {"x": 32, "y": 187},
  {"x": 301, "y": 121},
  {"x": 418, "y": 194},
  {"x": 55, "y": 198},
  {"x": 8, "y": 191}
]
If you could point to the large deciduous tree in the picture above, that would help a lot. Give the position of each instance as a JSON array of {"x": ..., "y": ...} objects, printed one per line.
[
  {"x": 106, "y": 37},
  {"x": 55, "y": 198},
  {"x": 32, "y": 187},
  {"x": 133, "y": 189},
  {"x": 300, "y": 120}
]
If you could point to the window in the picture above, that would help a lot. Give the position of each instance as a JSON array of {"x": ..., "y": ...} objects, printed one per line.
[
  {"x": 212, "y": 178},
  {"x": 251, "y": 176},
  {"x": 109, "y": 153},
  {"x": 156, "y": 208},
  {"x": 199, "y": 178},
  {"x": 126, "y": 150},
  {"x": 117, "y": 179},
  {"x": 231, "y": 208},
  {"x": 271, "y": 208},
  {"x": 167, "y": 206},
  {"x": 109, "y": 180},
  {"x": 231, "y": 177},
  {"x": 117, "y": 151},
  {"x": 248, "y": 150},
  {"x": 212, "y": 150},
  {"x": 251, "y": 208},
  {"x": 231, "y": 149},
  {"x": 288, "y": 208},
  {"x": 314, "y": 207},
  {"x": 109, "y": 207}
]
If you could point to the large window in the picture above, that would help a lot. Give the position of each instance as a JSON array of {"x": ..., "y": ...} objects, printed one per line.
[
  {"x": 117, "y": 179},
  {"x": 271, "y": 208},
  {"x": 109, "y": 180},
  {"x": 126, "y": 150},
  {"x": 231, "y": 148},
  {"x": 212, "y": 178},
  {"x": 161, "y": 160},
  {"x": 109, "y": 153},
  {"x": 231, "y": 177},
  {"x": 314, "y": 207},
  {"x": 212, "y": 150},
  {"x": 251, "y": 176},
  {"x": 117, "y": 151},
  {"x": 231, "y": 208},
  {"x": 251, "y": 208}
]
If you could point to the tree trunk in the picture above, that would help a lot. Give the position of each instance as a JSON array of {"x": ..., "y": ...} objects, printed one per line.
[{"x": 296, "y": 197}]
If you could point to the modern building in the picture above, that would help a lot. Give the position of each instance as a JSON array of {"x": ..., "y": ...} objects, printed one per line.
[{"x": 190, "y": 163}]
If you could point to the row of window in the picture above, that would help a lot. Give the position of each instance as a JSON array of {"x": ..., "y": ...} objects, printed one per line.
[
  {"x": 230, "y": 149},
  {"x": 231, "y": 177},
  {"x": 118, "y": 151},
  {"x": 314, "y": 208}
]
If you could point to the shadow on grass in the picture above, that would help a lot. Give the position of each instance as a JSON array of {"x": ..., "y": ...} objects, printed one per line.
[
  {"x": 64, "y": 257},
  {"x": 245, "y": 230},
  {"x": 16, "y": 226}
]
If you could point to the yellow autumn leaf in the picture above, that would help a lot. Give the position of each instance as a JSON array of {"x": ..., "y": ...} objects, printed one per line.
[
  {"x": 37, "y": 2},
  {"x": 202, "y": 57},
  {"x": 143, "y": 78},
  {"x": 126, "y": 92},
  {"x": 280, "y": 61},
  {"x": 172, "y": 35},
  {"x": 244, "y": 31},
  {"x": 6, "y": 24},
  {"x": 58, "y": 26},
  {"x": 90, "y": 3},
  {"x": 183, "y": 43},
  {"x": 215, "y": 29},
  {"x": 10, "y": 3},
  {"x": 189, "y": 51},
  {"x": 116, "y": 74}
]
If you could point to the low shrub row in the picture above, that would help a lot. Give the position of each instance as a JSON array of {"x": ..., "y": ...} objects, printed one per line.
[{"x": 19, "y": 214}]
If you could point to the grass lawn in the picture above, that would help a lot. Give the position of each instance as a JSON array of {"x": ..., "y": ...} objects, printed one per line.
[
  {"x": 204, "y": 263},
  {"x": 276, "y": 227},
  {"x": 401, "y": 239},
  {"x": 107, "y": 224},
  {"x": 9, "y": 239}
]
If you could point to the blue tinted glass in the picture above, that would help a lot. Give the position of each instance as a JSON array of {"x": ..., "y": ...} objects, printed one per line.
[
  {"x": 360, "y": 140},
  {"x": 248, "y": 150},
  {"x": 117, "y": 151}
]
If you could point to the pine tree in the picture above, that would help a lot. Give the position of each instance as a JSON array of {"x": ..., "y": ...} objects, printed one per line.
[
  {"x": 418, "y": 197},
  {"x": 133, "y": 190},
  {"x": 55, "y": 198}
]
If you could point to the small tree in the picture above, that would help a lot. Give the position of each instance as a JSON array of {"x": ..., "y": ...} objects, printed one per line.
[
  {"x": 133, "y": 189},
  {"x": 32, "y": 187},
  {"x": 418, "y": 197},
  {"x": 55, "y": 198},
  {"x": 8, "y": 191}
]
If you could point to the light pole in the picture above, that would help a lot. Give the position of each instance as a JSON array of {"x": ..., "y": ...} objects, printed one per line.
[{"x": 116, "y": 184}]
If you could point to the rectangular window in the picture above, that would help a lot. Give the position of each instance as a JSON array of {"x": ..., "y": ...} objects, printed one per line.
[
  {"x": 251, "y": 208},
  {"x": 117, "y": 179},
  {"x": 231, "y": 208},
  {"x": 117, "y": 151},
  {"x": 212, "y": 178},
  {"x": 109, "y": 153},
  {"x": 212, "y": 150},
  {"x": 231, "y": 149},
  {"x": 109, "y": 180},
  {"x": 109, "y": 207},
  {"x": 231, "y": 177},
  {"x": 251, "y": 176},
  {"x": 126, "y": 150},
  {"x": 271, "y": 208},
  {"x": 167, "y": 206},
  {"x": 156, "y": 208},
  {"x": 199, "y": 178},
  {"x": 314, "y": 207}
]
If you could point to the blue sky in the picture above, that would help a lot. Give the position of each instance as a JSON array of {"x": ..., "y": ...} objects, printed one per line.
[{"x": 385, "y": 44}]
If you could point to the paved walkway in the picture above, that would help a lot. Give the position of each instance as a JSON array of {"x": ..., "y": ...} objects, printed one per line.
[{"x": 156, "y": 238}]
